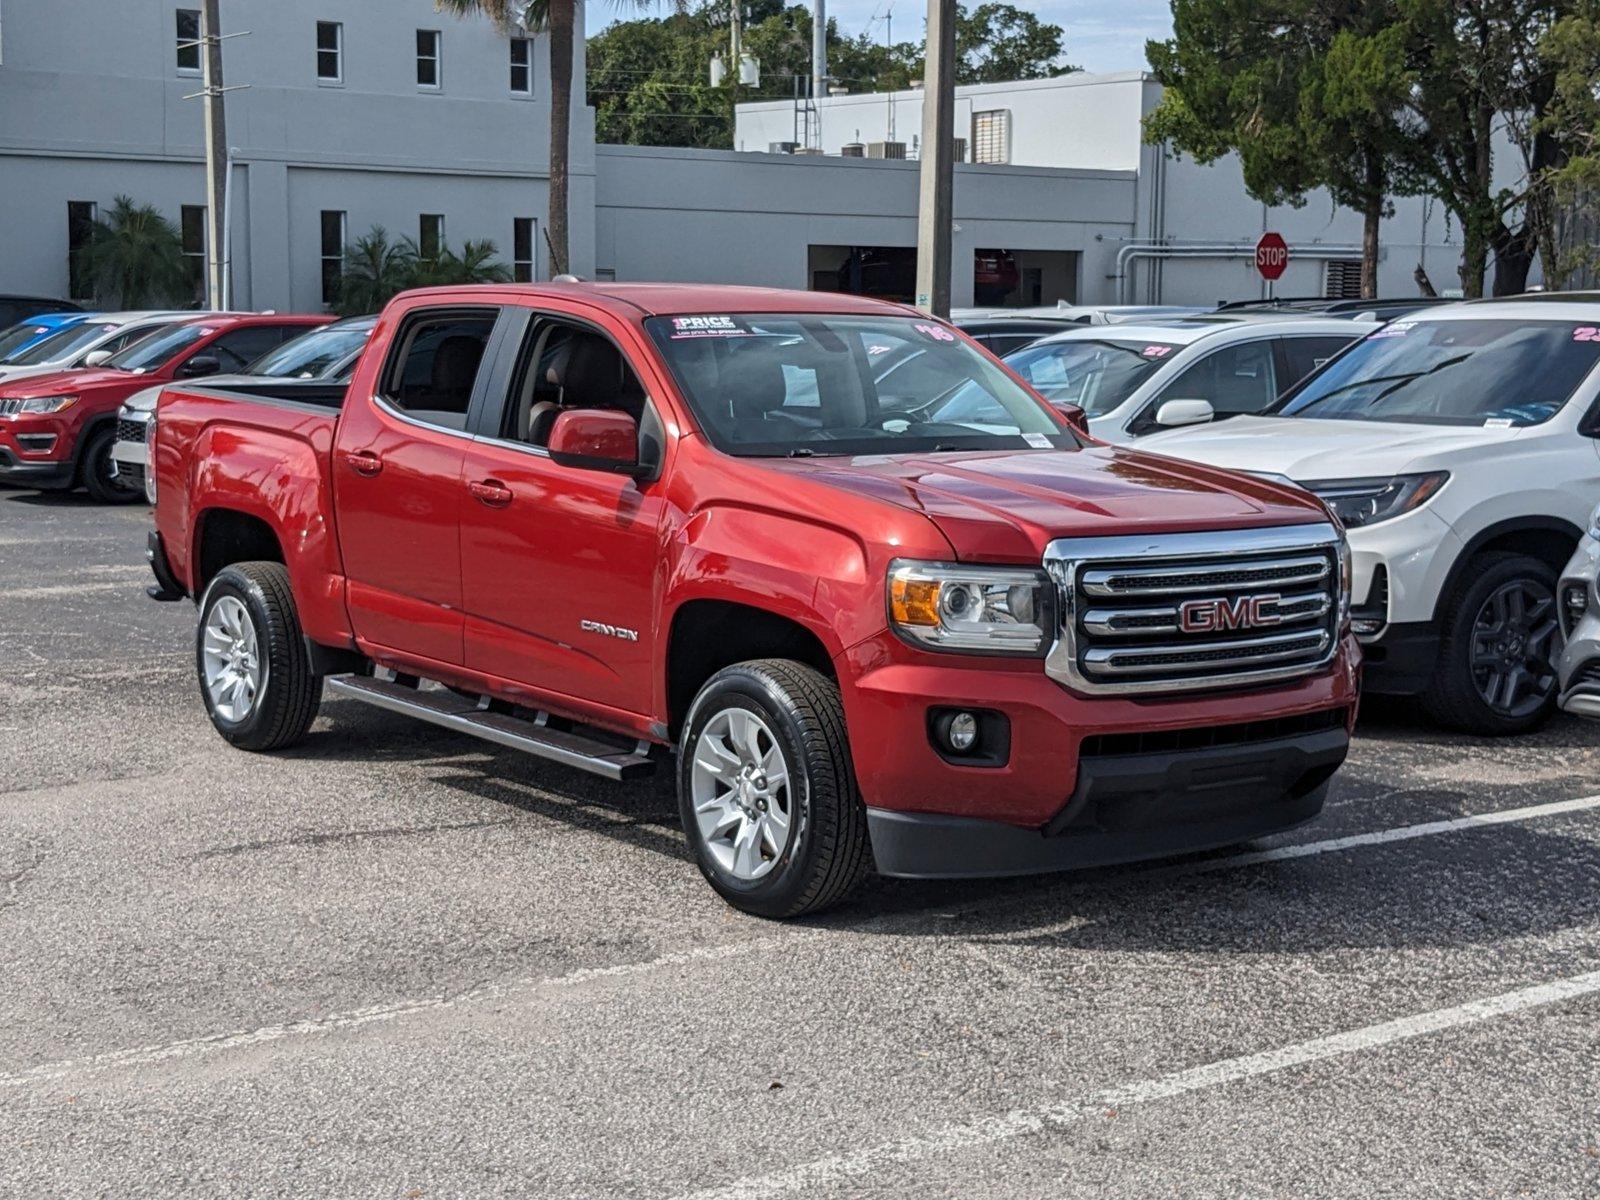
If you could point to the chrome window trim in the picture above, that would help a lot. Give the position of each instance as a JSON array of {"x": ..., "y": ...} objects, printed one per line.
[
  {"x": 388, "y": 409},
  {"x": 1065, "y": 558}
]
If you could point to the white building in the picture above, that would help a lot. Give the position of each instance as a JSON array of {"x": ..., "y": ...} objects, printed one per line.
[{"x": 351, "y": 114}]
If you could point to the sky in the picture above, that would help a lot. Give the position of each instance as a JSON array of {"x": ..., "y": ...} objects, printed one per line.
[{"x": 1100, "y": 36}]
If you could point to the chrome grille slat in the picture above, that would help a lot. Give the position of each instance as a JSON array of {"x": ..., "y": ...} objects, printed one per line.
[
  {"x": 1208, "y": 577},
  {"x": 1187, "y": 612},
  {"x": 1136, "y": 622}
]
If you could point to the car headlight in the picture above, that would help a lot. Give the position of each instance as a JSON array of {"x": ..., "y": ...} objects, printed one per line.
[
  {"x": 39, "y": 404},
  {"x": 984, "y": 610},
  {"x": 1359, "y": 502}
]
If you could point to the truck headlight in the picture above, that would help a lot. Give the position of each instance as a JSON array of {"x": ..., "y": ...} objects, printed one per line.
[
  {"x": 150, "y": 459},
  {"x": 40, "y": 404},
  {"x": 983, "y": 610},
  {"x": 1359, "y": 502},
  {"x": 1346, "y": 583}
]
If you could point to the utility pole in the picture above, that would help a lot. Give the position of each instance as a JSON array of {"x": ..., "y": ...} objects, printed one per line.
[
  {"x": 934, "y": 207},
  {"x": 819, "y": 62},
  {"x": 216, "y": 152}
]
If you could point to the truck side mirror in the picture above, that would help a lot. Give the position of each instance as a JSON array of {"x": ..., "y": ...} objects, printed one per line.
[
  {"x": 1174, "y": 413},
  {"x": 200, "y": 364},
  {"x": 595, "y": 439},
  {"x": 1075, "y": 416}
]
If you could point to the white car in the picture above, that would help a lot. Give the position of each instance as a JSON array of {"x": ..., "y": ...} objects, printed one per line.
[
  {"x": 1580, "y": 622},
  {"x": 1459, "y": 448},
  {"x": 95, "y": 340},
  {"x": 1133, "y": 380}
]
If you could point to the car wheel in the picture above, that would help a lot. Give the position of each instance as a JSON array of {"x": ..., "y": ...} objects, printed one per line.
[
  {"x": 767, "y": 793},
  {"x": 255, "y": 677},
  {"x": 99, "y": 471},
  {"x": 1497, "y": 658}
]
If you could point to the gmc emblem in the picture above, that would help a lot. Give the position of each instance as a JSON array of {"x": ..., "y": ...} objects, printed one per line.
[{"x": 1221, "y": 616}]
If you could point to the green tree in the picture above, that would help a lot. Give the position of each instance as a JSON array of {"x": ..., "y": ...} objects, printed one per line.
[
  {"x": 1572, "y": 49},
  {"x": 1306, "y": 92},
  {"x": 475, "y": 264},
  {"x": 996, "y": 43},
  {"x": 374, "y": 271},
  {"x": 134, "y": 258}
]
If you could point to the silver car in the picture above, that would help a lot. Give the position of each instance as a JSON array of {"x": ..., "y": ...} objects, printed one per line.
[{"x": 1579, "y": 597}]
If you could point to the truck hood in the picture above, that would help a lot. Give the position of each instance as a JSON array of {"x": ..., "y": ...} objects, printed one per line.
[
  {"x": 1006, "y": 506},
  {"x": 1305, "y": 448}
]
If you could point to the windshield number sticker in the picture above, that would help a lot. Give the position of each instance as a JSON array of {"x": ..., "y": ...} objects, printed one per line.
[
  {"x": 1157, "y": 351},
  {"x": 937, "y": 332},
  {"x": 706, "y": 326},
  {"x": 1586, "y": 333}
]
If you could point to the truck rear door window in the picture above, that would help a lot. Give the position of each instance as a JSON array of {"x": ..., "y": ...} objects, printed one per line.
[{"x": 434, "y": 366}]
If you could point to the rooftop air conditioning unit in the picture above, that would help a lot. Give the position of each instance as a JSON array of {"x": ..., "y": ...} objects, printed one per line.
[
  {"x": 854, "y": 149},
  {"x": 782, "y": 147},
  {"x": 886, "y": 149}
]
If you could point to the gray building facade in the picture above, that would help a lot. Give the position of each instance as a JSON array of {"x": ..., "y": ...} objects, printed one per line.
[{"x": 349, "y": 114}]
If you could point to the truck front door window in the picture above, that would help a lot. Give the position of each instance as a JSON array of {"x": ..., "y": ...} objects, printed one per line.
[{"x": 432, "y": 375}]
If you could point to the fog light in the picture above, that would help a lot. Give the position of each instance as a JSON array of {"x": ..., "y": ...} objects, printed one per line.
[
  {"x": 1574, "y": 606},
  {"x": 962, "y": 732}
]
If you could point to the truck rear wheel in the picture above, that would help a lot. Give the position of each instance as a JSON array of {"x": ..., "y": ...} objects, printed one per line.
[
  {"x": 255, "y": 677},
  {"x": 767, "y": 793},
  {"x": 1497, "y": 656},
  {"x": 98, "y": 471}
]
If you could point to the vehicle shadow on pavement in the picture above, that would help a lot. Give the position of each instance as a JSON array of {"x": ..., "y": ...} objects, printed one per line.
[{"x": 53, "y": 499}]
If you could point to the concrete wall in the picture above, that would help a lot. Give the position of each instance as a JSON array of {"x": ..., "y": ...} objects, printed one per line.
[
  {"x": 91, "y": 106},
  {"x": 709, "y": 215}
]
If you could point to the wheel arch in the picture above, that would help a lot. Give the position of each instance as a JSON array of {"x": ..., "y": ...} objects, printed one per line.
[{"x": 1550, "y": 539}]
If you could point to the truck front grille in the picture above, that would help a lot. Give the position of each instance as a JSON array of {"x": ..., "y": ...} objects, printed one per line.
[
  {"x": 130, "y": 431},
  {"x": 1186, "y": 612}
]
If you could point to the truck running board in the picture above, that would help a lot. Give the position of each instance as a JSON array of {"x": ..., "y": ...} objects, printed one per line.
[{"x": 533, "y": 736}]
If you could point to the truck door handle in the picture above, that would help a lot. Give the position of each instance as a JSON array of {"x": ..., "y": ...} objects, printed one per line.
[
  {"x": 491, "y": 492},
  {"x": 363, "y": 462}
]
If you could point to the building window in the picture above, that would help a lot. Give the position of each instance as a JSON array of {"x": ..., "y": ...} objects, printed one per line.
[
  {"x": 189, "y": 41},
  {"x": 427, "y": 58},
  {"x": 81, "y": 215},
  {"x": 192, "y": 223},
  {"x": 333, "y": 221},
  {"x": 991, "y": 136},
  {"x": 522, "y": 241},
  {"x": 1342, "y": 279},
  {"x": 330, "y": 52},
  {"x": 522, "y": 66},
  {"x": 431, "y": 231}
]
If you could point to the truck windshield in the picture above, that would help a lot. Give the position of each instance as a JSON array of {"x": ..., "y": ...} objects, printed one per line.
[
  {"x": 1496, "y": 373},
  {"x": 312, "y": 355},
  {"x": 814, "y": 384},
  {"x": 1095, "y": 375},
  {"x": 61, "y": 345},
  {"x": 149, "y": 354}
]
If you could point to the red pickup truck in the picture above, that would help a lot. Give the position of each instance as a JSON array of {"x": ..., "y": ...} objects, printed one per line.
[
  {"x": 56, "y": 431},
  {"x": 888, "y": 606}
]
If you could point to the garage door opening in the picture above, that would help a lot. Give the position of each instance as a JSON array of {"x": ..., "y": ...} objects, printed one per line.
[
  {"x": 1024, "y": 278},
  {"x": 887, "y": 272}
]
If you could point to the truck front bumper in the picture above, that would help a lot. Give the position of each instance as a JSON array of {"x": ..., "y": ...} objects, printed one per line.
[{"x": 1085, "y": 781}]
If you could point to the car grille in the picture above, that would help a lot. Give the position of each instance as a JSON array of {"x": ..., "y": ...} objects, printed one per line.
[
  {"x": 130, "y": 431},
  {"x": 1589, "y": 673},
  {"x": 9, "y": 407},
  {"x": 1192, "y": 611}
]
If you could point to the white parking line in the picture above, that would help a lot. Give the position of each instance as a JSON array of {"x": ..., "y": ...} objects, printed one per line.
[
  {"x": 983, "y": 1131},
  {"x": 356, "y": 1018}
]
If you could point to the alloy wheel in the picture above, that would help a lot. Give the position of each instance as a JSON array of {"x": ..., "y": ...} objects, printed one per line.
[
  {"x": 1514, "y": 647},
  {"x": 741, "y": 793},
  {"x": 230, "y": 653}
]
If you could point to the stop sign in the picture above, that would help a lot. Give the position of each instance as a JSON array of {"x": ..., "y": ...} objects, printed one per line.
[{"x": 1272, "y": 255}]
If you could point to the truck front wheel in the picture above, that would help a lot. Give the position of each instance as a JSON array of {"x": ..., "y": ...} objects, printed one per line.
[
  {"x": 255, "y": 677},
  {"x": 766, "y": 790}
]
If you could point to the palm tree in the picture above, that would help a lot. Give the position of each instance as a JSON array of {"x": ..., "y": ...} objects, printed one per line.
[
  {"x": 558, "y": 18},
  {"x": 475, "y": 264},
  {"x": 134, "y": 258},
  {"x": 374, "y": 270}
]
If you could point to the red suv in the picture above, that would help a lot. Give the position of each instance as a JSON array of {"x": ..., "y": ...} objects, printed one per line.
[{"x": 56, "y": 431}]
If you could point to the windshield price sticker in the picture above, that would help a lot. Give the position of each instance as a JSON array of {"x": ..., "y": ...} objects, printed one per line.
[
  {"x": 937, "y": 332},
  {"x": 1499, "y": 423},
  {"x": 707, "y": 326},
  {"x": 1038, "y": 441},
  {"x": 1394, "y": 329}
]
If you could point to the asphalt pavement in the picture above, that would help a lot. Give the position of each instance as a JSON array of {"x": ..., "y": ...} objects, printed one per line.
[{"x": 398, "y": 962}]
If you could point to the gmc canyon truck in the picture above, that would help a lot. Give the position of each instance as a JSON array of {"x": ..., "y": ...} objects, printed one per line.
[{"x": 597, "y": 523}]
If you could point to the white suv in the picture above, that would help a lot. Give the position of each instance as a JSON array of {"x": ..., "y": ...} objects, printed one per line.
[
  {"x": 1459, "y": 448},
  {"x": 1138, "y": 378},
  {"x": 1580, "y": 621}
]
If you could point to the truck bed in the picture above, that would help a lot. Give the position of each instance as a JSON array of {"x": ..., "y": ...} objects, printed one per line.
[{"x": 314, "y": 392}]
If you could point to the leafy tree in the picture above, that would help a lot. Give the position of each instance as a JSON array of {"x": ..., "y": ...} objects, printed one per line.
[
  {"x": 648, "y": 78},
  {"x": 1572, "y": 49},
  {"x": 374, "y": 271},
  {"x": 134, "y": 258},
  {"x": 1306, "y": 92},
  {"x": 475, "y": 264}
]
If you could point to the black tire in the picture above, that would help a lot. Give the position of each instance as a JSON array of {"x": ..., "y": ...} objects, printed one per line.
[
  {"x": 290, "y": 692},
  {"x": 1456, "y": 697},
  {"x": 96, "y": 469},
  {"x": 827, "y": 852}
]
